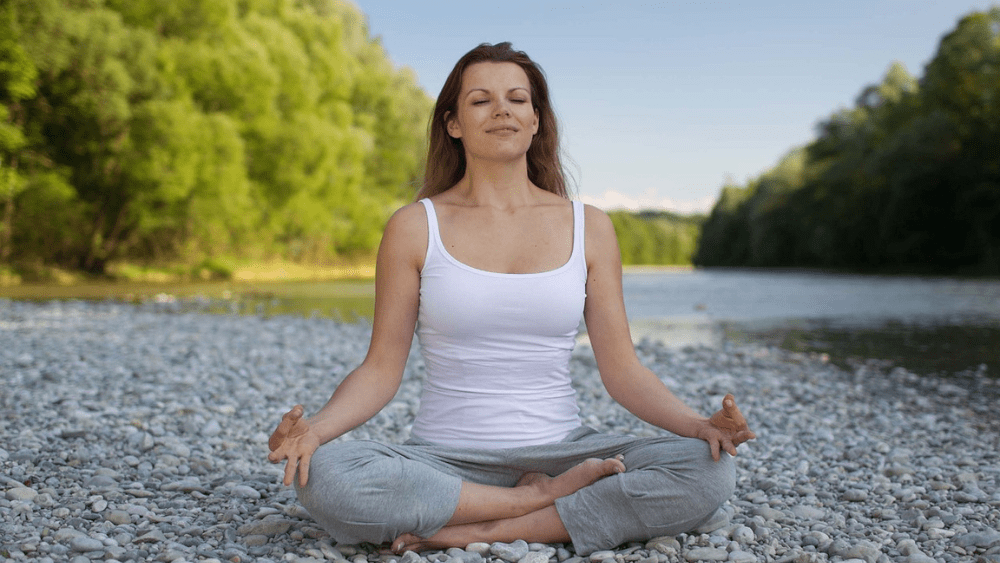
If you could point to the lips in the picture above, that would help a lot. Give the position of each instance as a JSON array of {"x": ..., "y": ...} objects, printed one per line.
[{"x": 503, "y": 129}]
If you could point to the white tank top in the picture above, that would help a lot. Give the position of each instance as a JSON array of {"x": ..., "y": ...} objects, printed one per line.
[{"x": 496, "y": 348}]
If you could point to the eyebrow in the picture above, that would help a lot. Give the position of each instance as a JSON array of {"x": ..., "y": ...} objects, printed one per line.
[{"x": 487, "y": 91}]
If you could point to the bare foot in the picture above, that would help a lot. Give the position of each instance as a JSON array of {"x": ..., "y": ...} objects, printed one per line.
[
  {"x": 442, "y": 540},
  {"x": 541, "y": 526},
  {"x": 408, "y": 542},
  {"x": 574, "y": 478}
]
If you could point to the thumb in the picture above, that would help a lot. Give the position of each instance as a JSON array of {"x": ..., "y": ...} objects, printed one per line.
[
  {"x": 729, "y": 418},
  {"x": 285, "y": 426}
]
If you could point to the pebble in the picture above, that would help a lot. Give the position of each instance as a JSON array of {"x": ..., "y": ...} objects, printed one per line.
[
  {"x": 742, "y": 557},
  {"x": 743, "y": 535},
  {"x": 987, "y": 538},
  {"x": 23, "y": 494},
  {"x": 85, "y": 544},
  {"x": 534, "y": 557},
  {"x": 511, "y": 552},
  {"x": 706, "y": 554},
  {"x": 482, "y": 548},
  {"x": 246, "y": 492},
  {"x": 808, "y": 513},
  {"x": 119, "y": 517},
  {"x": 864, "y": 550},
  {"x": 667, "y": 545},
  {"x": 139, "y": 433},
  {"x": 100, "y": 483},
  {"x": 266, "y": 527},
  {"x": 855, "y": 495},
  {"x": 465, "y": 556}
]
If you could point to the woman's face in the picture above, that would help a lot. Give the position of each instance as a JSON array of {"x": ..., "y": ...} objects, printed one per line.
[{"x": 494, "y": 117}]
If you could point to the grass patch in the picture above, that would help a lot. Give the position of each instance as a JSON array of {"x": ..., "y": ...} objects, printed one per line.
[{"x": 266, "y": 271}]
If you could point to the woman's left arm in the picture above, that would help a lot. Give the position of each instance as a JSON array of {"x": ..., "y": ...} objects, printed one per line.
[{"x": 629, "y": 382}]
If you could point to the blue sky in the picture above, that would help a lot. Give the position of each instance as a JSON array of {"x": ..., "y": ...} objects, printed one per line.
[{"x": 661, "y": 102}]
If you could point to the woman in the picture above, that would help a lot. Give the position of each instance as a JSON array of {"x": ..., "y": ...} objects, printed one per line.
[{"x": 497, "y": 265}]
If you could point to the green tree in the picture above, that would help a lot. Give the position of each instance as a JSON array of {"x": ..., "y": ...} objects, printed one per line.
[
  {"x": 907, "y": 179},
  {"x": 17, "y": 77},
  {"x": 151, "y": 131},
  {"x": 656, "y": 238}
]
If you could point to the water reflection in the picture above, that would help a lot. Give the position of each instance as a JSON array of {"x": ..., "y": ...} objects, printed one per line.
[
  {"x": 924, "y": 348},
  {"x": 926, "y": 325}
]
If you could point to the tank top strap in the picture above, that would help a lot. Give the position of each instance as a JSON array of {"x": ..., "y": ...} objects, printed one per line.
[
  {"x": 433, "y": 232},
  {"x": 579, "y": 236}
]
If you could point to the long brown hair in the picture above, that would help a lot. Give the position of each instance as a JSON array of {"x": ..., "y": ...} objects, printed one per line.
[{"x": 446, "y": 155}]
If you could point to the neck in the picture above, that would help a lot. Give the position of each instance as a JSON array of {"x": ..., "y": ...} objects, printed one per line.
[{"x": 496, "y": 184}]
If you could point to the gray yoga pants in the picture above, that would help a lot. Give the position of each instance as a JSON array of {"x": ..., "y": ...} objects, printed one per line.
[{"x": 364, "y": 491}]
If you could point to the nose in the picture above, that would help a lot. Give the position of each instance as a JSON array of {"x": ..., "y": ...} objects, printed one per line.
[{"x": 502, "y": 109}]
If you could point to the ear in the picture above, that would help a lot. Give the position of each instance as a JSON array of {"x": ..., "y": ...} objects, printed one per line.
[
  {"x": 534, "y": 124},
  {"x": 451, "y": 125}
]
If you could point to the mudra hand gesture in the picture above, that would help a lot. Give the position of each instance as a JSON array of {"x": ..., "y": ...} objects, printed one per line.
[
  {"x": 726, "y": 428},
  {"x": 295, "y": 441}
]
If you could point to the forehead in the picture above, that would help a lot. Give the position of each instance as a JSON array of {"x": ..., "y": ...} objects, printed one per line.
[{"x": 494, "y": 77}]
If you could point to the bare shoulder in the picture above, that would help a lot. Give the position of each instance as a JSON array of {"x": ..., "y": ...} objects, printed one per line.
[
  {"x": 408, "y": 218},
  {"x": 405, "y": 235},
  {"x": 601, "y": 243},
  {"x": 599, "y": 228},
  {"x": 597, "y": 220}
]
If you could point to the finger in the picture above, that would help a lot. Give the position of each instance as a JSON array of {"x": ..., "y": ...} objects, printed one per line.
[
  {"x": 304, "y": 469},
  {"x": 715, "y": 449},
  {"x": 732, "y": 411},
  {"x": 290, "y": 471},
  {"x": 275, "y": 456},
  {"x": 729, "y": 419},
  {"x": 729, "y": 447},
  {"x": 285, "y": 426},
  {"x": 728, "y": 403}
]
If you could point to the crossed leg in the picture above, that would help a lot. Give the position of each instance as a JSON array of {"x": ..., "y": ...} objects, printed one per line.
[{"x": 526, "y": 511}]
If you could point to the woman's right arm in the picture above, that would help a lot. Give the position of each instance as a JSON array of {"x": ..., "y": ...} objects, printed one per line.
[{"x": 367, "y": 389}]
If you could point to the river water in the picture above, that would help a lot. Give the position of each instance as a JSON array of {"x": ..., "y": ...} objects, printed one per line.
[{"x": 925, "y": 324}]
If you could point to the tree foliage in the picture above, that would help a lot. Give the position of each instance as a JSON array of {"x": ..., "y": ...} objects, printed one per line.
[
  {"x": 174, "y": 131},
  {"x": 656, "y": 237},
  {"x": 907, "y": 179}
]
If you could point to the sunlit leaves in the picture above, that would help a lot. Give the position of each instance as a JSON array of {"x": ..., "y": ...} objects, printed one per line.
[
  {"x": 655, "y": 237},
  {"x": 177, "y": 130}
]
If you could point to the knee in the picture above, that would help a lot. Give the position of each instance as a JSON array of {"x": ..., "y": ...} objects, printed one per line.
[
  {"x": 702, "y": 485},
  {"x": 348, "y": 491},
  {"x": 719, "y": 481},
  {"x": 683, "y": 489},
  {"x": 710, "y": 482}
]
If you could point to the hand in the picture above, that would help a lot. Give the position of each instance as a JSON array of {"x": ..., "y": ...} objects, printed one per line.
[
  {"x": 727, "y": 428},
  {"x": 295, "y": 441}
]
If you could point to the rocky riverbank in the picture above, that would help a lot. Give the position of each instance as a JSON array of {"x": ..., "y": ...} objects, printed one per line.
[{"x": 139, "y": 433}]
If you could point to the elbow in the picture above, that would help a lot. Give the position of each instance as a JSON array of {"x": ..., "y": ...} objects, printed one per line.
[{"x": 620, "y": 388}]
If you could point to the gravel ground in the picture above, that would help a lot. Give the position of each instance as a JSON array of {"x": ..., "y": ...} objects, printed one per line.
[{"x": 139, "y": 433}]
